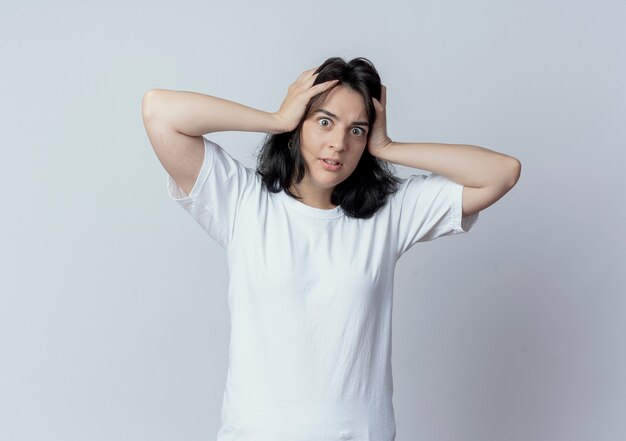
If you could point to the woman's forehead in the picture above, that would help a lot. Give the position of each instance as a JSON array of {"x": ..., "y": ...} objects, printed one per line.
[{"x": 344, "y": 102}]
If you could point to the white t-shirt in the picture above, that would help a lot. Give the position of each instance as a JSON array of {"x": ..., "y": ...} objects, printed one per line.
[{"x": 310, "y": 297}]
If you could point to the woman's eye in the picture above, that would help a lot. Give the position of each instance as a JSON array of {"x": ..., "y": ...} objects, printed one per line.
[
  {"x": 323, "y": 119},
  {"x": 360, "y": 132}
]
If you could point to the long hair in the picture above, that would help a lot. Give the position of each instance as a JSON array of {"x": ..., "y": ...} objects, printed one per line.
[{"x": 372, "y": 181}]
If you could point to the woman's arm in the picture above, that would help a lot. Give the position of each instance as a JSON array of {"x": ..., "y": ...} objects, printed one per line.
[
  {"x": 177, "y": 120},
  {"x": 485, "y": 174},
  {"x": 195, "y": 114},
  {"x": 469, "y": 165}
]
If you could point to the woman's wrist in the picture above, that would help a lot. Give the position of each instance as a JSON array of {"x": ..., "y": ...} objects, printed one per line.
[{"x": 278, "y": 124}]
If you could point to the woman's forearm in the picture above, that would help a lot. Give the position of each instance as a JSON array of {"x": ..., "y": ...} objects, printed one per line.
[
  {"x": 195, "y": 114},
  {"x": 469, "y": 165}
]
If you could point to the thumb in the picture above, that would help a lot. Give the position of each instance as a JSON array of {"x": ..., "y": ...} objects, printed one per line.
[{"x": 377, "y": 105}]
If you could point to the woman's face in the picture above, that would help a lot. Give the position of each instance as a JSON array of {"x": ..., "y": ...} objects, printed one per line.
[{"x": 338, "y": 131}]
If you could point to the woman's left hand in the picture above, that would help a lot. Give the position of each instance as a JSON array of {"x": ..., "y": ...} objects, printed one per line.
[{"x": 378, "y": 138}]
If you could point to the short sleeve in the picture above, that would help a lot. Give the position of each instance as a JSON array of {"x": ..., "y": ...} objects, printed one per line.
[
  {"x": 216, "y": 197},
  {"x": 428, "y": 207}
]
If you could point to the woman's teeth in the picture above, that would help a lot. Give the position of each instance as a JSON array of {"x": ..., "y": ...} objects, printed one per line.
[{"x": 330, "y": 162}]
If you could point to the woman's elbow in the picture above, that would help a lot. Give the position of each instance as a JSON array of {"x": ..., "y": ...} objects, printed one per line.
[{"x": 514, "y": 169}]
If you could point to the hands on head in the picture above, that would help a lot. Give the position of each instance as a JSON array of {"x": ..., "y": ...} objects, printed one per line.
[
  {"x": 378, "y": 138},
  {"x": 299, "y": 93}
]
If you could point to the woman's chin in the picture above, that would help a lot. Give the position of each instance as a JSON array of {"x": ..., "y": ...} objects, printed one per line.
[{"x": 328, "y": 182}]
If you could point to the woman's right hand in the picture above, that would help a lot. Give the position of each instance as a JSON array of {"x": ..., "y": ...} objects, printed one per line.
[{"x": 299, "y": 93}]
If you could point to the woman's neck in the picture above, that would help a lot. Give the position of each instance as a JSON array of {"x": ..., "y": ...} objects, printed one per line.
[{"x": 318, "y": 198}]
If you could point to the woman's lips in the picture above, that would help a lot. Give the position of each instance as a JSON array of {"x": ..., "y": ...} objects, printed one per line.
[{"x": 330, "y": 167}]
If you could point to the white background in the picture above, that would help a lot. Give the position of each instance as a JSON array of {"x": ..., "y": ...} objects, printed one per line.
[{"x": 113, "y": 311}]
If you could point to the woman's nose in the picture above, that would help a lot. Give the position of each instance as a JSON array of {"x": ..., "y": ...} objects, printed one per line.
[{"x": 338, "y": 142}]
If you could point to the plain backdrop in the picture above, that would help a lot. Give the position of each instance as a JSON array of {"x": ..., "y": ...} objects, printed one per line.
[{"x": 114, "y": 321}]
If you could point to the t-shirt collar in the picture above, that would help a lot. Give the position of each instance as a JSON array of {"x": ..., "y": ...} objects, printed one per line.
[{"x": 303, "y": 208}]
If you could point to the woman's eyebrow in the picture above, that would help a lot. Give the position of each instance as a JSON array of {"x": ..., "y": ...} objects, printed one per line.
[{"x": 356, "y": 123}]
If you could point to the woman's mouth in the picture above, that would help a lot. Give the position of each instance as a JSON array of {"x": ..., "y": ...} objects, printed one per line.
[{"x": 330, "y": 165}]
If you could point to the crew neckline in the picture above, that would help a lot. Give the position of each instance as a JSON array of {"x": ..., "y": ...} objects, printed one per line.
[{"x": 303, "y": 208}]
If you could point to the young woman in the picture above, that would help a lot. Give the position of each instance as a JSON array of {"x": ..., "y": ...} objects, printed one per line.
[{"x": 312, "y": 239}]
